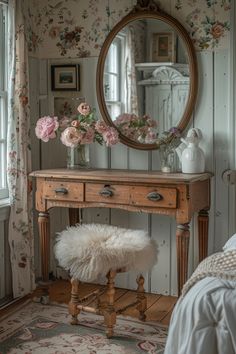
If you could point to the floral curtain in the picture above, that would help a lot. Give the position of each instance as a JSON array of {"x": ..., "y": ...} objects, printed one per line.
[
  {"x": 18, "y": 154},
  {"x": 131, "y": 97}
]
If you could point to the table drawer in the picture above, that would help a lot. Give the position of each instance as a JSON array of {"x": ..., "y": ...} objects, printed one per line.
[
  {"x": 151, "y": 196},
  {"x": 107, "y": 193},
  {"x": 69, "y": 191}
]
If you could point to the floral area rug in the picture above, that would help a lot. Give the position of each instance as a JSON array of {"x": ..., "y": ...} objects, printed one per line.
[{"x": 45, "y": 329}]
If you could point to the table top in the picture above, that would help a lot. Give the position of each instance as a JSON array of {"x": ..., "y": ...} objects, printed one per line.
[{"x": 121, "y": 175}]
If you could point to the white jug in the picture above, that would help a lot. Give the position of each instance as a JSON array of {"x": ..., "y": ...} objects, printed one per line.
[{"x": 191, "y": 155}]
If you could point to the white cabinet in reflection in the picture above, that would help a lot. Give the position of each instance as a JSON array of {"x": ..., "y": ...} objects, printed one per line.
[{"x": 165, "y": 95}]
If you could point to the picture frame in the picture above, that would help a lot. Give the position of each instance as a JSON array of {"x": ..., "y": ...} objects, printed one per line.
[
  {"x": 65, "y": 77},
  {"x": 163, "y": 47}
]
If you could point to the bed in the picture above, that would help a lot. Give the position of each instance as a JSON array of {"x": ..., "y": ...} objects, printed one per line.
[{"x": 204, "y": 319}]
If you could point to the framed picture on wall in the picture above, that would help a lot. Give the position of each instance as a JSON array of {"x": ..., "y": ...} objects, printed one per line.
[
  {"x": 65, "y": 77},
  {"x": 163, "y": 47}
]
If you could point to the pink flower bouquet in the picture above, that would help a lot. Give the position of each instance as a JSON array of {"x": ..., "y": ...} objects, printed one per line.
[{"x": 85, "y": 129}]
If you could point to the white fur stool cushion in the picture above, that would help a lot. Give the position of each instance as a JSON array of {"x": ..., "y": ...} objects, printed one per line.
[{"x": 91, "y": 250}]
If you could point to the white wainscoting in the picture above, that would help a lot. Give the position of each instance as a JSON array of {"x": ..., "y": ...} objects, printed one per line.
[{"x": 211, "y": 115}]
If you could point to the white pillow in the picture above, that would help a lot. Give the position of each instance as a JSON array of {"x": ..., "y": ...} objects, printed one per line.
[{"x": 230, "y": 244}]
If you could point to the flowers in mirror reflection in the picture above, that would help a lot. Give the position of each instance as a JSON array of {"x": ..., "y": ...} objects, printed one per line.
[{"x": 142, "y": 129}]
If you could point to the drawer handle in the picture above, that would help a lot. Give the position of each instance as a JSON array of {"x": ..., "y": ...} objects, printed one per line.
[
  {"x": 61, "y": 190},
  {"x": 154, "y": 196},
  {"x": 106, "y": 192}
]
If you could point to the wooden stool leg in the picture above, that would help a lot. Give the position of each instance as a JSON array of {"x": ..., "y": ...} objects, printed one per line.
[
  {"x": 73, "y": 310},
  {"x": 109, "y": 311},
  {"x": 141, "y": 298}
]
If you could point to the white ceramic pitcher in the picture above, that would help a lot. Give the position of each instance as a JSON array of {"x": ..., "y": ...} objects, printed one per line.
[{"x": 190, "y": 154}]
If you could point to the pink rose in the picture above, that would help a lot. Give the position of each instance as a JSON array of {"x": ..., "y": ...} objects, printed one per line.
[
  {"x": 75, "y": 123},
  {"x": 70, "y": 137},
  {"x": 46, "y": 127},
  {"x": 217, "y": 30},
  {"x": 84, "y": 109},
  {"x": 111, "y": 136}
]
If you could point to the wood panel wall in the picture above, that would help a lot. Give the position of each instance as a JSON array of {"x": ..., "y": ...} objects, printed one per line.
[{"x": 211, "y": 115}]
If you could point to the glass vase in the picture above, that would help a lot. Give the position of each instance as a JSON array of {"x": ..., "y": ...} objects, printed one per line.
[
  {"x": 167, "y": 160},
  {"x": 78, "y": 157}
]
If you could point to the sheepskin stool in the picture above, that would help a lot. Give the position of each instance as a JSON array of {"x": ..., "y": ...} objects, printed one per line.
[{"x": 91, "y": 250}]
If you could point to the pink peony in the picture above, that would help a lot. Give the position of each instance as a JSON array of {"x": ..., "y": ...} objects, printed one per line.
[
  {"x": 111, "y": 136},
  {"x": 84, "y": 109},
  {"x": 71, "y": 137},
  {"x": 46, "y": 127}
]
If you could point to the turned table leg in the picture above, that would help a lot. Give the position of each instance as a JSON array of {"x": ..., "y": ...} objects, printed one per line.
[
  {"x": 182, "y": 246},
  {"x": 203, "y": 221},
  {"x": 44, "y": 235}
]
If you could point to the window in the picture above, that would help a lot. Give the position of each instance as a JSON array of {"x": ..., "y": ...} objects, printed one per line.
[
  {"x": 3, "y": 99},
  {"x": 113, "y": 77}
]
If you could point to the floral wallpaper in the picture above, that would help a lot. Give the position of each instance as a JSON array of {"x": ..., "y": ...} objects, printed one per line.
[
  {"x": 207, "y": 21},
  {"x": 72, "y": 28},
  {"x": 78, "y": 28}
]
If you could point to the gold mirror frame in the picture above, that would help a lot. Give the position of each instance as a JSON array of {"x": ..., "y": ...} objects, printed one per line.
[{"x": 149, "y": 9}]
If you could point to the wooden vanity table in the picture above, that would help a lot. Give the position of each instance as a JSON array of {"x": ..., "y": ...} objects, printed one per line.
[{"x": 176, "y": 194}]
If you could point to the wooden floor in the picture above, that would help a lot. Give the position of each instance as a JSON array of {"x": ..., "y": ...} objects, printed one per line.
[{"x": 159, "y": 307}]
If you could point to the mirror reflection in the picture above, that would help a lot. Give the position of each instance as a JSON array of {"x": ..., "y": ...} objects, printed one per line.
[{"x": 146, "y": 79}]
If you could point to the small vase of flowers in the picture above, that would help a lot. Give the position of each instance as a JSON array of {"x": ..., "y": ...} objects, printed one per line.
[
  {"x": 167, "y": 144},
  {"x": 77, "y": 133}
]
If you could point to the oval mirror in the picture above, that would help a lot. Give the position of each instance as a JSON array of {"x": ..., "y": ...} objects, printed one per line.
[{"x": 147, "y": 76}]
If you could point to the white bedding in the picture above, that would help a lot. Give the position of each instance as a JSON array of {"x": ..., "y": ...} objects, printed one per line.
[{"x": 204, "y": 322}]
